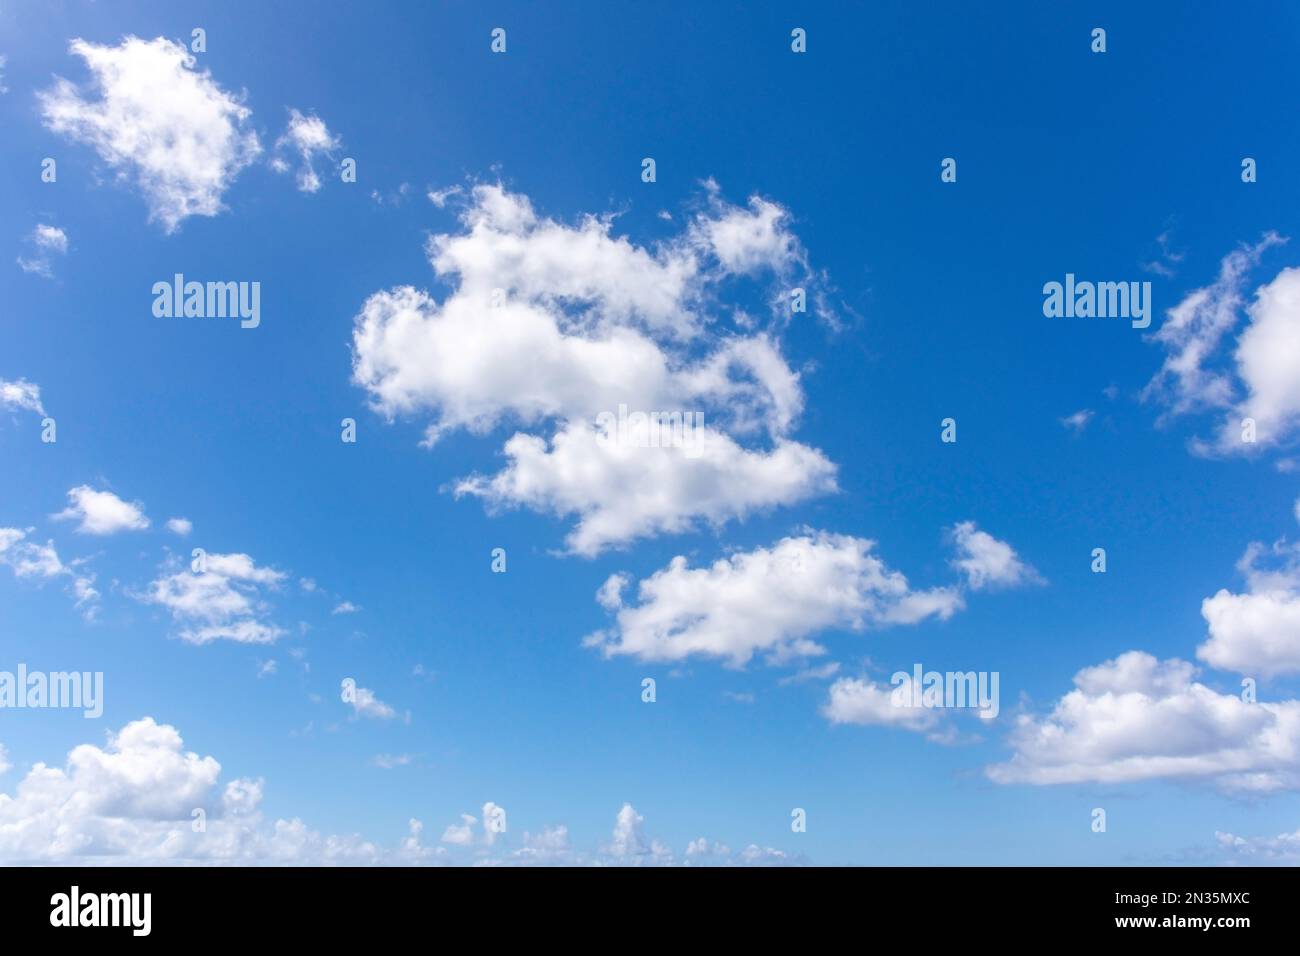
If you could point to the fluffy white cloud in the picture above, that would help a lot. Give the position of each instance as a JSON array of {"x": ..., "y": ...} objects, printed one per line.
[
  {"x": 21, "y": 394},
  {"x": 180, "y": 526},
  {"x": 50, "y": 238},
  {"x": 553, "y": 327},
  {"x": 1259, "y": 379},
  {"x": 136, "y": 800},
  {"x": 629, "y": 845},
  {"x": 308, "y": 136},
  {"x": 987, "y": 562},
  {"x": 1137, "y": 718},
  {"x": 102, "y": 512},
  {"x": 155, "y": 119},
  {"x": 1268, "y": 363},
  {"x": 852, "y": 700},
  {"x": 747, "y": 241},
  {"x": 473, "y": 365},
  {"x": 222, "y": 601},
  {"x": 463, "y": 833},
  {"x": 769, "y": 600},
  {"x": 1257, "y": 633},
  {"x": 620, "y": 492}
]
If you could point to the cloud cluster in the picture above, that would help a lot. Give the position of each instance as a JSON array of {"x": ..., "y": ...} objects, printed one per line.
[
  {"x": 309, "y": 137},
  {"x": 1280, "y": 850},
  {"x": 619, "y": 491},
  {"x": 1258, "y": 379},
  {"x": 143, "y": 799},
  {"x": 223, "y": 599},
  {"x": 1138, "y": 718},
  {"x": 550, "y": 326},
  {"x": 46, "y": 241},
  {"x": 28, "y": 559},
  {"x": 773, "y": 601},
  {"x": 157, "y": 121}
]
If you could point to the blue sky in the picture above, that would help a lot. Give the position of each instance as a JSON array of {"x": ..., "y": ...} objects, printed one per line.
[{"x": 774, "y": 169}]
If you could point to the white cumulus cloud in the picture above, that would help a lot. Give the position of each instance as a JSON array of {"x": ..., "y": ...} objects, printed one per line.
[
  {"x": 157, "y": 121},
  {"x": 771, "y": 601},
  {"x": 1258, "y": 632},
  {"x": 552, "y": 326},
  {"x": 987, "y": 562},
  {"x": 1138, "y": 718},
  {"x": 102, "y": 512}
]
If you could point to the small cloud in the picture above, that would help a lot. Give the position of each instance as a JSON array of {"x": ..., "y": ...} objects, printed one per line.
[
  {"x": 423, "y": 672},
  {"x": 1163, "y": 264},
  {"x": 988, "y": 562},
  {"x": 21, "y": 394},
  {"x": 309, "y": 137},
  {"x": 439, "y": 197},
  {"x": 180, "y": 526},
  {"x": 389, "y": 761},
  {"x": 47, "y": 242},
  {"x": 395, "y": 198},
  {"x": 267, "y": 669},
  {"x": 366, "y": 704},
  {"x": 461, "y": 834},
  {"x": 102, "y": 512},
  {"x": 345, "y": 607},
  {"x": 823, "y": 672},
  {"x": 1078, "y": 421}
]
